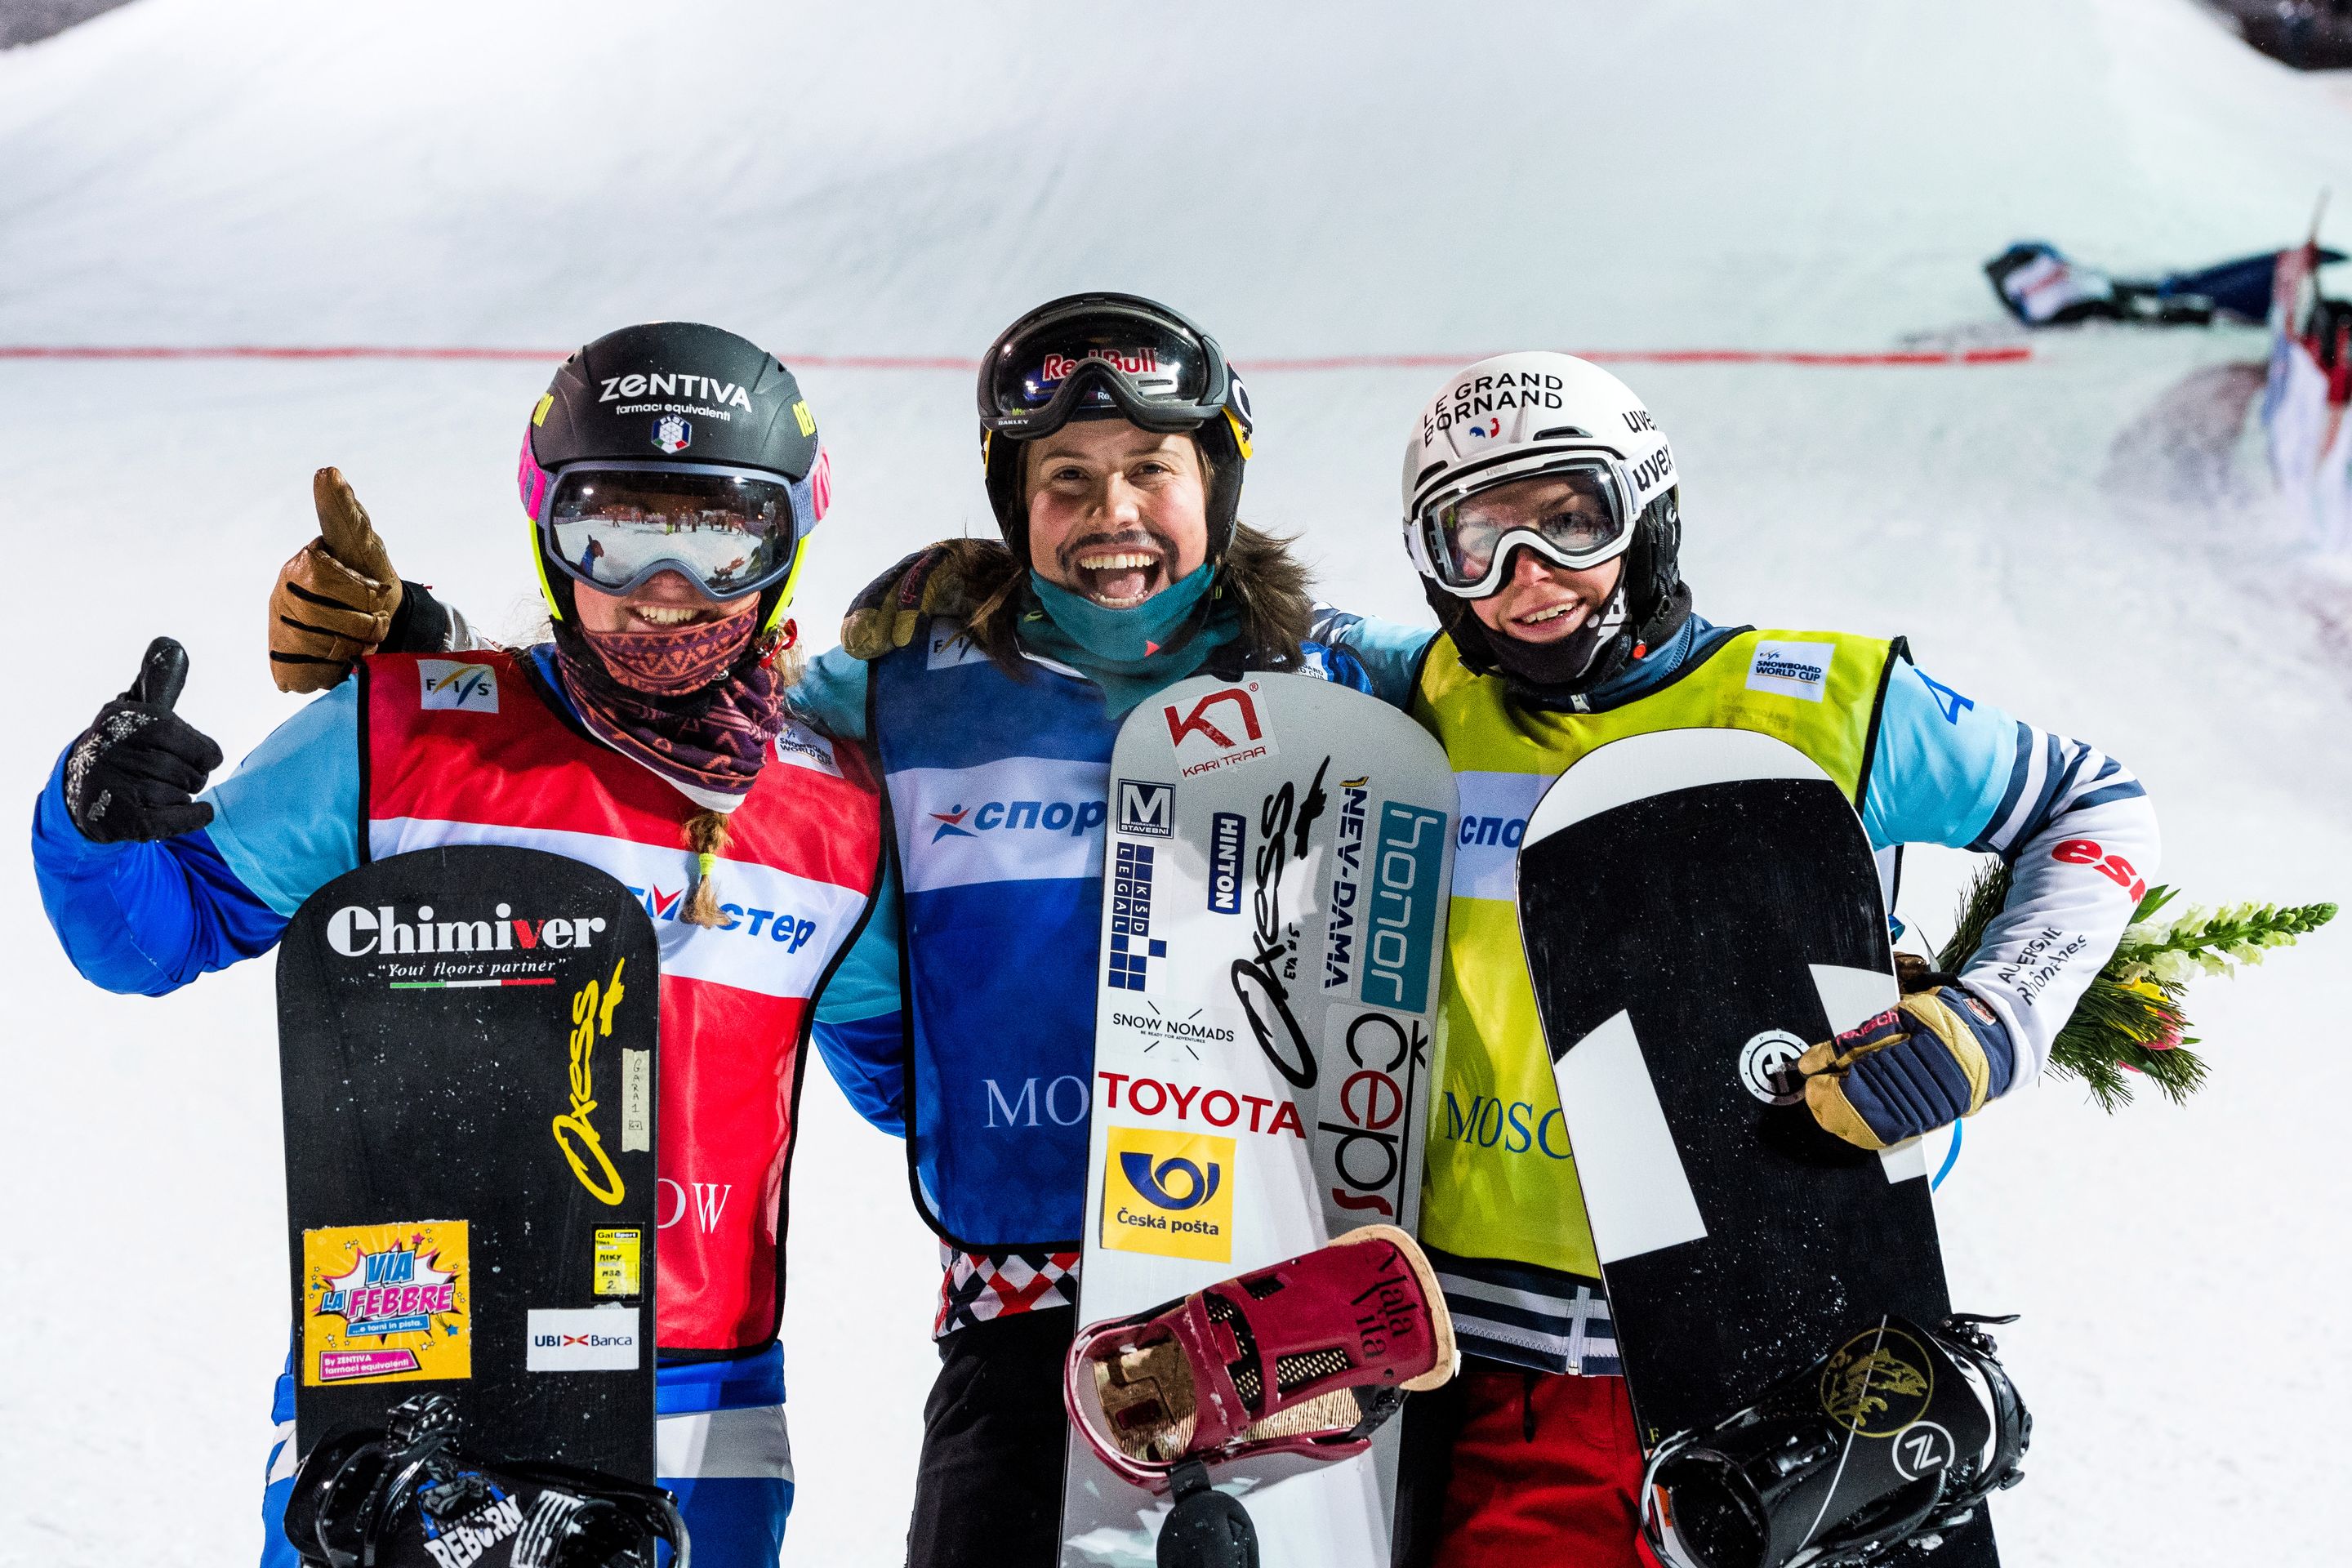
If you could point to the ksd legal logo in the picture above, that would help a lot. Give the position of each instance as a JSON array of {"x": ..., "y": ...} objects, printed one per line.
[
  {"x": 1222, "y": 731},
  {"x": 1168, "y": 1194}
]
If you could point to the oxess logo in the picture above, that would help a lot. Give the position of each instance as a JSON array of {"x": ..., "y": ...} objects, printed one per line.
[
  {"x": 592, "y": 1016},
  {"x": 1221, "y": 730},
  {"x": 1169, "y": 1193}
]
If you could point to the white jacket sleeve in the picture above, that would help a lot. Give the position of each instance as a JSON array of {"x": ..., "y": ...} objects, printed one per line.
[{"x": 2077, "y": 829}]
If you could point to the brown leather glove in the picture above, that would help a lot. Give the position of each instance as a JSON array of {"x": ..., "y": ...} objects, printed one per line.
[
  {"x": 335, "y": 599},
  {"x": 951, "y": 579}
]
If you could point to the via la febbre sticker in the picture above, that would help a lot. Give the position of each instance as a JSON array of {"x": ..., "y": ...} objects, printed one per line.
[{"x": 386, "y": 1303}]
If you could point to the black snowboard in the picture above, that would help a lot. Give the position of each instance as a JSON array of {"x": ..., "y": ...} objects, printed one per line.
[
  {"x": 1698, "y": 907},
  {"x": 466, "y": 1043}
]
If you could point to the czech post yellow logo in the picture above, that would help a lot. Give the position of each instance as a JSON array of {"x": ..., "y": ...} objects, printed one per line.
[
  {"x": 386, "y": 1303},
  {"x": 1169, "y": 1193}
]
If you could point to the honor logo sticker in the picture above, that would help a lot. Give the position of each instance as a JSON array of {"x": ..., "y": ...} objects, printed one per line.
[
  {"x": 1147, "y": 810},
  {"x": 448, "y": 683},
  {"x": 672, "y": 434},
  {"x": 1791, "y": 668},
  {"x": 582, "y": 1339},
  {"x": 1169, "y": 1193},
  {"x": 1222, "y": 731}
]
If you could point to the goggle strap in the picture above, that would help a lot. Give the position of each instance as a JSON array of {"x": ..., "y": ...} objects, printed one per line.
[{"x": 792, "y": 582}]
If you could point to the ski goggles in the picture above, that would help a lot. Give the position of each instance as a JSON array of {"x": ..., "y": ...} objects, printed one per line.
[
  {"x": 1100, "y": 354},
  {"x": 730, "y": 532},
  {"x": 1575, "y": 509}
]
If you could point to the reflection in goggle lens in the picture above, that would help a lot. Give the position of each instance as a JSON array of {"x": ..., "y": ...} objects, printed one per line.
[
  {"x": 731, "y": 534},
  {"x": 1576, "y": 511}
]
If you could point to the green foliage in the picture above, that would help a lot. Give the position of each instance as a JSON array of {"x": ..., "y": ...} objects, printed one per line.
[{"x": 2129, "y": 1021}]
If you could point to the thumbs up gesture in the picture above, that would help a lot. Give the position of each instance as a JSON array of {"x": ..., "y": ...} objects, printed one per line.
[
  {"x": 336, "y": 598},
  {"x": 134, "y": 769}
]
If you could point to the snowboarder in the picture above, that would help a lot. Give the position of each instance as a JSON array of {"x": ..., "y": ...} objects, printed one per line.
[
  {"x": 1542, "y": 512},
  {"x": 649, "y": 738},
  {"x": 988, "y": 681}
]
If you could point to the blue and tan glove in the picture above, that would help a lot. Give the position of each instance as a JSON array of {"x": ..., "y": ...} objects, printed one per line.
[{"x": 1935, "y": 1056}]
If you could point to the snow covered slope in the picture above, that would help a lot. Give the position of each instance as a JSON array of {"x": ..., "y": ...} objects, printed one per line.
[{"x": 1312, "y": 181}]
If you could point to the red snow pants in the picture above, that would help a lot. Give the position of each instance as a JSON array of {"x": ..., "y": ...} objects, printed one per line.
[{"x": 1546, "y": 1472}]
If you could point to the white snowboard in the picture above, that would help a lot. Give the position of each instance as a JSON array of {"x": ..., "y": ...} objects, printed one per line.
[{"x": 1281, "y": 853}]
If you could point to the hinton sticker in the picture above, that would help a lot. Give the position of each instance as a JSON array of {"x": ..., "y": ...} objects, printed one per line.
[{"x": 386, "y": 1303}]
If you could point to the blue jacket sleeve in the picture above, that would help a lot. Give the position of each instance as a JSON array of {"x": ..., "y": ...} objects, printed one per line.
[
  {"x": 831, "y": 694},
  {"x": 860, "y": 1031},
  {"x": 146, "y": 918},
  {"x": 1390, "y": 651}
]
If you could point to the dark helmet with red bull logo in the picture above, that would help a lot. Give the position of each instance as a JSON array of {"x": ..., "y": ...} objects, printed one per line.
[
  {"x": 672, "y": 446},
  {"x": 1111, "y": 356}
]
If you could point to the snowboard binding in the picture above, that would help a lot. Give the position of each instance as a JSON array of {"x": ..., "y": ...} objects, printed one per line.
[
  {"x": 411, "y": 1495},
  {"x": 1894, "y": 1437},
  {"x": 1307, "y": 1357}
]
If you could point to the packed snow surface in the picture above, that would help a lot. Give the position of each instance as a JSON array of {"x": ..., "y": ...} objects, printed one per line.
[{"x": 2083, "y": 538}]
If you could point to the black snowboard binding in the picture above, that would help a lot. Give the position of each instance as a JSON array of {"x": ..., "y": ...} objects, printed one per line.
[
  {"x": 411, "y": 1495},
  {"x": 1894, "y": 1437}
]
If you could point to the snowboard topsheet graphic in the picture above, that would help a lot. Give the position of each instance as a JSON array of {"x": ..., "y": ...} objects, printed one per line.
[
  {"x": 1281, "y": 852},
  {"x": 1698, "y": 906},
  {"x": 467, "y": 1041}
]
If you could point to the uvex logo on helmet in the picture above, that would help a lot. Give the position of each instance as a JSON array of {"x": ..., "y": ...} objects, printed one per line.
[
  {"x": 674, "y": 383},
  {"x": 357, "y": 932}
]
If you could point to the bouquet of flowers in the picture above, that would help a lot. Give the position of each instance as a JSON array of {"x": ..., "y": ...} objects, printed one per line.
[{"x": 2130, "y": 1020}]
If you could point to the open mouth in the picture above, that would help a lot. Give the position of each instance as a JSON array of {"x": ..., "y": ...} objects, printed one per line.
[
  {"x": 1551, "y": 621},
  {"x": 670, "y": 617},
  {"x": 1117, "y": 576}
]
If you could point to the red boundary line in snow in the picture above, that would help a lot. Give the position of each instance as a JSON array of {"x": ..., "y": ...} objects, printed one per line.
[{"x": 2008, "y": 355}]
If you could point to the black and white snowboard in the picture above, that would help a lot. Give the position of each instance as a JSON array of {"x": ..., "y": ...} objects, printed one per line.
[
  {"x": 1281, "y": 858},
  {"x": 467, "y": 1047},
  {"x": 1698, "y": 906}
]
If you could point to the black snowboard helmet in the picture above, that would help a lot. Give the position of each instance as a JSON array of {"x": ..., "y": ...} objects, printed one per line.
[
  {"x": 1111, "y": 356},
  {"x": 675, "y": 397}
]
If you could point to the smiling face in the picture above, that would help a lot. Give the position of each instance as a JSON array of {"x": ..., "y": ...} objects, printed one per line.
[
  {"x": 1541, "y": 602},
  {"x": 1116, "y": 513},
  {"x": 664, "y": 602}
]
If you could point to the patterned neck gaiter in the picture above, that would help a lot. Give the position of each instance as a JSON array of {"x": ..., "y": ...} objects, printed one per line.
[{"x": 626, "y": 687}]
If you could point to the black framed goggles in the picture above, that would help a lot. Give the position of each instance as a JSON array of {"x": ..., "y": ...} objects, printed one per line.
[
  {"x": 730, "y": 532},
  {"x": 1102, "y": 354}
]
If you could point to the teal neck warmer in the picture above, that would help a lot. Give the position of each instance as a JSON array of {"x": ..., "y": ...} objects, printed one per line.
[{"x": 1127, "y": 652}]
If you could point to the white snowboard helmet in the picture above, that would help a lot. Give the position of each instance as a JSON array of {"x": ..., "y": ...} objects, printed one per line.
[{"x": 1513, "y": 417}]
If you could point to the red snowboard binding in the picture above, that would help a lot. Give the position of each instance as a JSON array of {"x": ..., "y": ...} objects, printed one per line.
[{"x": 1307, "y": 1357}]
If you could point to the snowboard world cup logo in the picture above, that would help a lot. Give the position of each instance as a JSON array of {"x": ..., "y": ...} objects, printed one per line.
[{"x": 1878, "y": 1383}]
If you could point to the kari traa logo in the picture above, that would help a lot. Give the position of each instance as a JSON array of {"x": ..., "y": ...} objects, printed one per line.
[
  {"x": 393, "y": 1292},
  {"x": 951, "y": 824},
  {"x": 672, "y": 434}
]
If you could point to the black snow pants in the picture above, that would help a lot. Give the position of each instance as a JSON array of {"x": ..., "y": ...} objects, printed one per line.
[{"x": 988, "y": 1493}]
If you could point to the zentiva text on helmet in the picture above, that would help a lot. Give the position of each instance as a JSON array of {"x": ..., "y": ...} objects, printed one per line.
[
  {"x": 674, "y": 383},
  {"x": 1259, "y": 983},
  {"x": 1485, "y": 394},
  {"x": 355, "y": 932}
]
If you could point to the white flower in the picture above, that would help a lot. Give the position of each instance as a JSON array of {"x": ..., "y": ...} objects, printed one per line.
[
  {"x": 2246, "y": 951},
  {"x": 2174, "y": 968}
]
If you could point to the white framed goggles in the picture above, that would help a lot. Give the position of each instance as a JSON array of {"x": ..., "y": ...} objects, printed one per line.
[
  {"x": 730, "y": 532},
  {"x": 1574, "y": 506}
]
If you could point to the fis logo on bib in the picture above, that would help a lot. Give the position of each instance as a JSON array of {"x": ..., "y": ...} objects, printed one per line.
[
  {"x": 1169, "y": 1193},
  {"x": 455, "y": 684}
]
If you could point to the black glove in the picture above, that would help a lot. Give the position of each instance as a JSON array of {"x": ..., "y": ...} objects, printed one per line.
[{"x": 132, "y": 771}]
